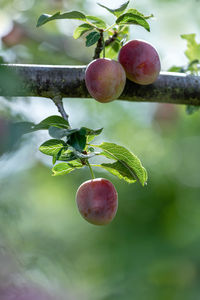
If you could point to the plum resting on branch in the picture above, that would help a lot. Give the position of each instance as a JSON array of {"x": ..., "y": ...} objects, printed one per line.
[
  {"x": 140, "y": 61},
  {"x": 105, "y": 79},
  {"x": 97, "y": 201}
]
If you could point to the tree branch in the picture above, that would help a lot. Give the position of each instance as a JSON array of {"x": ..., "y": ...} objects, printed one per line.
[{"x": 68, "y": 82}]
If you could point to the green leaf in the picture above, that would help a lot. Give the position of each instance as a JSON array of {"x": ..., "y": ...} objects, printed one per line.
[
  {"x": 126, "y": 158},
  {"x": 119, "y": 170},
  {"x": 91, "y": 134},
  {"x": 193, "y": 48},
  {"x": 66, "y": 168},
  {"x": 97, "y": 22},
  {"x": 136, "y": 12},
  {"x": 68, "y": 132},
  {"x": 76, "y": 15},
  {"x": 117, "y": 11},
  {"x": 54, "y": 159},
  {"x": 55, "y": 121},
  {"x": 88, "y": 131},
  {"x": 78, "y": 138},
  {"x": 57, "y": 149},
  {"x": 80, "y": 30},
  {"x": 91, "y": 149},
  {"x": 130, "y": 18},
  {"x": 92, "y": 38},
  {"x": 113, "y": 49},
  {"x": 77, "y": 141},
  {"x": 52, "y": 147},
  {"x": 57, "y": 133},
  {"x": 66, "y": 155}
]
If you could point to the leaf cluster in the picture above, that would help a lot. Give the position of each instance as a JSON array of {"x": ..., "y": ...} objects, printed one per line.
[
  {"x": 92, "y": 26},
  {"x": 73, "y": 148}
]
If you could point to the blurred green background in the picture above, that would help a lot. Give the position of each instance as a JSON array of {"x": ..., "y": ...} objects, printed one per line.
[{"x": 151, "y": 250}]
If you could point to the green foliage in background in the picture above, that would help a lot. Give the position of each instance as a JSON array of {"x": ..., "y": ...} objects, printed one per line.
[{"x": 193, "y": 67}]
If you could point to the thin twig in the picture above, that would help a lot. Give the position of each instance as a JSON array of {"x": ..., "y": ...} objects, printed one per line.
[
  {"x": 111, "y": 39},
  {"x": 58, "y": 102}
]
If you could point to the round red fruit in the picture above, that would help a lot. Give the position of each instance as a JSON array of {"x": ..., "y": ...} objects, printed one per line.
[
  {"x": 141, "y": 62},
  {"x": 105, "y": 79},
  {"x": 97, "y": 201}
]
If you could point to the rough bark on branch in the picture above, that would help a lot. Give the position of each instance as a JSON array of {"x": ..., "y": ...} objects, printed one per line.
[{"x": 68, "y": 82}]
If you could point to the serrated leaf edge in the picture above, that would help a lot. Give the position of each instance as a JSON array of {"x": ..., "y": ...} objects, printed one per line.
[{"x": 125, "y": 164}]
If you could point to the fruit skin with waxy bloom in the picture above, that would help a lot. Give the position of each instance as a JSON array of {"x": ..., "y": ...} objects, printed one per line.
[
  {"x": 97, "y": 201},
  {"x": 140, "y": 61},
  {"x": 105, "y": 79}
]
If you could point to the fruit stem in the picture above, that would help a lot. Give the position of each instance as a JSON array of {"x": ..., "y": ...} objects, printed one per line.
[{"x": 91, "y": 171}]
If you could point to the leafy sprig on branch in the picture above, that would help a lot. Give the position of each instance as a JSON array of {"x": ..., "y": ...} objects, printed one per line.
[
  {"x": 98, "y": 31},
  {"x": 71, "y": 149}
]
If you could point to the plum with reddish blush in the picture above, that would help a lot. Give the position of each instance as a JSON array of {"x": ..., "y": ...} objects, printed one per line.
[
  {"x": 105, "y": 79},
  {"x": 97, "y": 201},
  {"x": 141, "y": 62}
]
